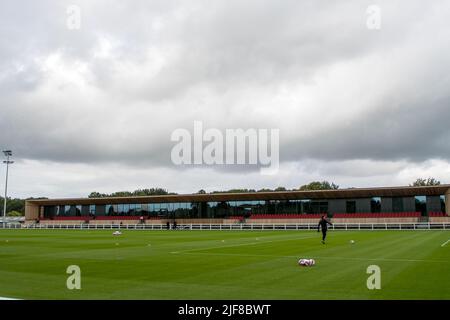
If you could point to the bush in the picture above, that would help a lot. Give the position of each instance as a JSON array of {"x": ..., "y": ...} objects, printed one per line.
[{"x": 14, "y": 214}]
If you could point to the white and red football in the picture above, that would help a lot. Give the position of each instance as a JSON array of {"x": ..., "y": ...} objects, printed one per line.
[{"x": 306, "y": 262}]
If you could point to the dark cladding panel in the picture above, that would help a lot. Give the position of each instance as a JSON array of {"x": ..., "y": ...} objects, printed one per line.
[
  {"x": 49, "y": 211},
  {"x": 386, "y": 204},
  {"x": 336, "y": 206},
  {"x": 433, "y": 204},
  {"x": 409, "y": 204},
  {"x": 84, "y": 210},
  {"x": 363, "y": 205},
  {"x": 99, "y": 210}
]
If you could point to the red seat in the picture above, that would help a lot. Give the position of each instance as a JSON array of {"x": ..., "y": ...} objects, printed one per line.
[
  {"x": 71, "y": 218},
  {"x": 117, "y": 218}
]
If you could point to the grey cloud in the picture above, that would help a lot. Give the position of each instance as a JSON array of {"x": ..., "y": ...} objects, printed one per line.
[
  {"x": 214, "y": 58},
  {"x": 415, "y": 132}
]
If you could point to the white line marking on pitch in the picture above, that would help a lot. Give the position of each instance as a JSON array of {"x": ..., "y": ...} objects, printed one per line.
[
  {"x": 242, "y": 244},
  {"x": 382, "y": 259},
  {"x": 443, "y": 245},
  {"x": 315, "y": 257},
  {"x": 5, "y": 298}
]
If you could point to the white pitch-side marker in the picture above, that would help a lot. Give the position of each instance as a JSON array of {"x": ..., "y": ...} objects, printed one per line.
[{"x": 443, "y": 245}]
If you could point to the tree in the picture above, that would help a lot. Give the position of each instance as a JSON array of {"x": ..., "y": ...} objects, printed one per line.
[
  {"x": 15, "y": 214},
  {"x": 201, "y": 191},
  {"x": 265, "y": 190},
  {"x": 319, "y": 185},
  {"x": 152, "y": 192},
  {"x": 420, "y": 182},
  {"x": 121, "y": 194},
  {"x": 235, "y": 191},
  {"x": 96, "y": 194},
  {"x": 13, "y": 204},
  {"x": 139, "y": 192}
]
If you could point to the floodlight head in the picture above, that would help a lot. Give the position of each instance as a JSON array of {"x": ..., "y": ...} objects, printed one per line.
[{"x": 7, "y": 152}]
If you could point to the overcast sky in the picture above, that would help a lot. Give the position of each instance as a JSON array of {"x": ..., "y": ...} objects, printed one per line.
[{"x": 93, "y": 109}]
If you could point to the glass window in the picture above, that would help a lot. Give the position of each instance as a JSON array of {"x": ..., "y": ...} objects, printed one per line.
[
  {"x": 324, "y": 207},
  {"x": 319, "y": 207},
  {"x": 421, "y": 204},
  {"x": 305, "y": 206},
  {"x": 110, "y": 210},
  {"x": 351, "y": 206},
  {"x": 49, "y": 211},
  {"x": 92, "y": 210},
  {"x": 163, "y": 210},
  {"x": 375, "y": 204},
  {"x": 180, "y": 210},
  {"x": 189, "y": 210},
  {"x": 442, "y": 203},
  {"x": 260, "y": 208},
  {"x": 138, "y": 209},
  {"x": 217, "y": 209},
  {"x": 244, "y": 208},
  {"x": 298, "y": 206}
]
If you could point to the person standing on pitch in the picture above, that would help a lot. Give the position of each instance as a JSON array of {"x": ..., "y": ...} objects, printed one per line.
[{"x": 324, "y": 224}]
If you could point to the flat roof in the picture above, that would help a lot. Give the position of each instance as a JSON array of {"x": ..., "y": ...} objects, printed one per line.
[{"x": 273, "y": 195}]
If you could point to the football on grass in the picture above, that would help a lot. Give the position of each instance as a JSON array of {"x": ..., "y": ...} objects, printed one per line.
[{"x": 306, "y": 262}]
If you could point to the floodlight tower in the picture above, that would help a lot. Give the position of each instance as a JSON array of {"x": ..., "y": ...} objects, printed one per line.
[{"x": 8, "y": 153}]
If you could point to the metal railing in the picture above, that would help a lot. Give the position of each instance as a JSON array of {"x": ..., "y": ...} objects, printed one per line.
[{"x": 258, "y": 227}]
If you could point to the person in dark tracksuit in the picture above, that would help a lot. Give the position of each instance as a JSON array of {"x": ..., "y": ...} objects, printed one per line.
[{"x": 324, "y": 224}]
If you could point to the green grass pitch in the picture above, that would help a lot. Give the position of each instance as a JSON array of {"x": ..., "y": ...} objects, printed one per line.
[{"x": 223, "y": 264}]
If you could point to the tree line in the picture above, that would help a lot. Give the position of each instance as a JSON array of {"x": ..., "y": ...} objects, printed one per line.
[{"x": 15, "y": 206}]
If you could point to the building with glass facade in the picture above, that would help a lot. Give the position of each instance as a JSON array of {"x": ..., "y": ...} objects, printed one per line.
[{"x": 431, "y": 199}]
